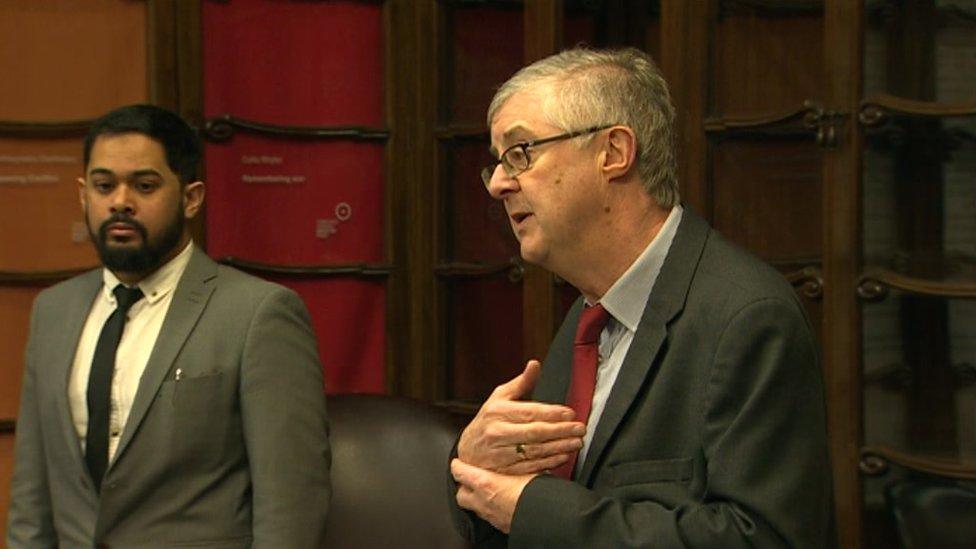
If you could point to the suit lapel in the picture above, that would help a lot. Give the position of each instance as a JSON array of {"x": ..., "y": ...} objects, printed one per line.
[
  {"x": 189, "y": 300},
  {"x": 77, "y": 311},
  {"x": 665, "y": 302}
]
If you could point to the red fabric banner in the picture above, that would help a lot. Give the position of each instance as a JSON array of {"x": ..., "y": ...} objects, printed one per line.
[
  {"x": 349, "y": 319},
  {"x": 295, "y": 202},
  {"x": 294, "y": 63},
  {"x": 303, "y": 202}
]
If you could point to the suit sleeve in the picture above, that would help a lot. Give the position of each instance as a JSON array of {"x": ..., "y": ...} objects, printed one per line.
[
  {"x": 285, "y": 425},
  {"x": 29, "y": 519},
  {"x": 763, "y": 440}
]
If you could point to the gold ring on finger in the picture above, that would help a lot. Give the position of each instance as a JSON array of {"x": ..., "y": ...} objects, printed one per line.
[{"x": 520, "y": 449}]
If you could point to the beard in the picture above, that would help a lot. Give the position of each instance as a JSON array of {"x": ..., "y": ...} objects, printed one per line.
[{"x": 143, "y": 259}]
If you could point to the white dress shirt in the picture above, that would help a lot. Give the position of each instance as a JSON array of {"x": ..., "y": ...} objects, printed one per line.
[
  {"x": 625, "y": 301},
  {"x": 142, "y": 327}
]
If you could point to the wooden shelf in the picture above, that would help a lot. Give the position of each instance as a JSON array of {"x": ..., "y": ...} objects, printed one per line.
[
  {"x": 514, "y": 269},
  {"x": 223, "y": 128},
  {"x": 876, "y": 461},
  {"x": 877, "y": 108},
  {"x": 40, "y": 277},
  {"x": 67, "y": 128},
  {"x": 360, "y": 270},
  {"x": 939, "y": 276}
]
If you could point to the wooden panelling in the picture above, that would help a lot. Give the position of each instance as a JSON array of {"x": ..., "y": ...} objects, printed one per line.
[
  {"x": 482, "y": 48},
  {"x": 485, "y": 335},
  {"x": 767, "y": 197},
  {"x": 479, "y": 226},
  {"x": 766, "y": 64},
  {"x": 68, "y": 60}
]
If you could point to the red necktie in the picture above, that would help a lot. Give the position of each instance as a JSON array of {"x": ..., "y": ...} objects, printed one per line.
[{"x": 586, "y": 352}]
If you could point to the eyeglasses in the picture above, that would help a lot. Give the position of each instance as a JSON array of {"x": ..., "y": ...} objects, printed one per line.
[{"x": 516, "y": 159}]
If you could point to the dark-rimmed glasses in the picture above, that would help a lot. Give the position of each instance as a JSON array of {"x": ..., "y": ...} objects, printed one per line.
[{"x": 516, "y": 159}]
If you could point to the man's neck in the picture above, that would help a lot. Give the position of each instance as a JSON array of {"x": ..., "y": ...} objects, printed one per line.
[{"x": 620, "y": 244}]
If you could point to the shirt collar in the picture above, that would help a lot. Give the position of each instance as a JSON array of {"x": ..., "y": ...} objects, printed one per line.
[
  {"x": 157, "y": 285},
  {"x": 627, "y": 297}
]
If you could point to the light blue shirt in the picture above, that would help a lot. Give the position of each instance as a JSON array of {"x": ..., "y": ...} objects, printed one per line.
[{"x": 625, "y": 301}]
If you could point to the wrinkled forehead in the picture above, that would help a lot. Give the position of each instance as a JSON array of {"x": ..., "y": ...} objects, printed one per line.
[{"x": 520, "y": 117}]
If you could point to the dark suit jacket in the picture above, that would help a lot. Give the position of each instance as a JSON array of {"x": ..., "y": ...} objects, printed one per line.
[
  {"x": 233, "y": 454},
  {"x": 714, "y": 432}
]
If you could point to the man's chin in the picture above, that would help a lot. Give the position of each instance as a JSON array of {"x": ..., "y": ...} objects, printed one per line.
[{"x": 533, "y": 252}]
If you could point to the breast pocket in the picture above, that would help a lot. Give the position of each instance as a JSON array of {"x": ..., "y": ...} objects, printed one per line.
[
  {"x": 652, "y": 470},
  {"x": 665, "y": 481},
  {"x": 201, "y": 410}
]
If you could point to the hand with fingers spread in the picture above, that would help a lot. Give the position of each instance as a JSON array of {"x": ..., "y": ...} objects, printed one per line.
[{"x": 518, "y": 437}]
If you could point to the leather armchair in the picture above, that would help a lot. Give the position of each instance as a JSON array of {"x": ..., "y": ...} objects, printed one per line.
[
  {"x": 389, "y": 464},
  {"x": 933, "y": 514}
]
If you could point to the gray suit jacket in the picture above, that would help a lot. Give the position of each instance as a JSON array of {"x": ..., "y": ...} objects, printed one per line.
[
  {"x": 714, "y": 434},
  {"x": 233, "y": 454}
]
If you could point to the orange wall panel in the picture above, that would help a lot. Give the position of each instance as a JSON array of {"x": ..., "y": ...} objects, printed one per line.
[
  {"x": 68, "y": 60},
  {"x": 41, "y": 221},
  {"x": 6, "y": 471},
  {"x": 15, "y": 306}
]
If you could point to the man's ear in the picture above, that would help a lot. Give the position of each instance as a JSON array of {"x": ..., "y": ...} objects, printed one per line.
[
  {"x": 193, "y": 195},
  {"x": 621, "y": 152},
  {"x": 82, "y": 197}
]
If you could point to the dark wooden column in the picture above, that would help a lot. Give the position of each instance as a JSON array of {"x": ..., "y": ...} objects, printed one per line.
[
  {"x": 685, "y": 63},
  {"x": 842, "y": 263},
  {"x": 543, "y": 36}
]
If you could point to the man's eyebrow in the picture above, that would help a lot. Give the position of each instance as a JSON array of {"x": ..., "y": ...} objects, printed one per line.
[
  {"x": 135, "y": 173},
  {"x": 517, "y": 132},
  {"x": 144, "y": 172}
]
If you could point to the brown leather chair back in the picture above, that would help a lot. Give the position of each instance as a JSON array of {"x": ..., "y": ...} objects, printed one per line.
[
  {"x": 389, "y": 473},
  {"x": 933, "y": 514}
]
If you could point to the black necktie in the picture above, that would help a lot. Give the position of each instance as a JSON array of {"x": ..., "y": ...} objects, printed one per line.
[{"x": 100, "y": 383}]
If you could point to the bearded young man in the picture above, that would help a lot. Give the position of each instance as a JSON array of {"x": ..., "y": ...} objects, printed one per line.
[
  {"x": 166, "y": 400},
  {"x": 681, "y": 403}
]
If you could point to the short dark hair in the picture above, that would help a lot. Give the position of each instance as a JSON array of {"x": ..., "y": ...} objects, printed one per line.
[{"x": 179, "y": 141}]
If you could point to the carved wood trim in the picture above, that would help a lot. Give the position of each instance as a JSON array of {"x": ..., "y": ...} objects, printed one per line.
[
  {"x": 40, "y": 277},
  {"x": 358, "y": 270},
  {"x": 877, "y": 108},
  {"x": 874, "y": 285},
  {"x": 514, "y": 270},
  {"x": 876, "y": 461},
  {"x": 811, "y": 118},
  {"x": 65, "y": 128},
  {"x": 808, "y": 281},
  {"x": 729, "y": 8},
  {"x": 223, "y": 127},
  {"x": 806, "y": 115}
]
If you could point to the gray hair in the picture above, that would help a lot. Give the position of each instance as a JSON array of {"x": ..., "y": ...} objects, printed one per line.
[{"x": 592, "y": 87}]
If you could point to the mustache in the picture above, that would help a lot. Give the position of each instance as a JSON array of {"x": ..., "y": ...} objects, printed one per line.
[{"x": 124, "y": 219}]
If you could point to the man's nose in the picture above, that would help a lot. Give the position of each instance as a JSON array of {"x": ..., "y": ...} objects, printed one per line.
[
  {"x": 501, "y": 184},
  {"x": 122, "y": 199}
]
